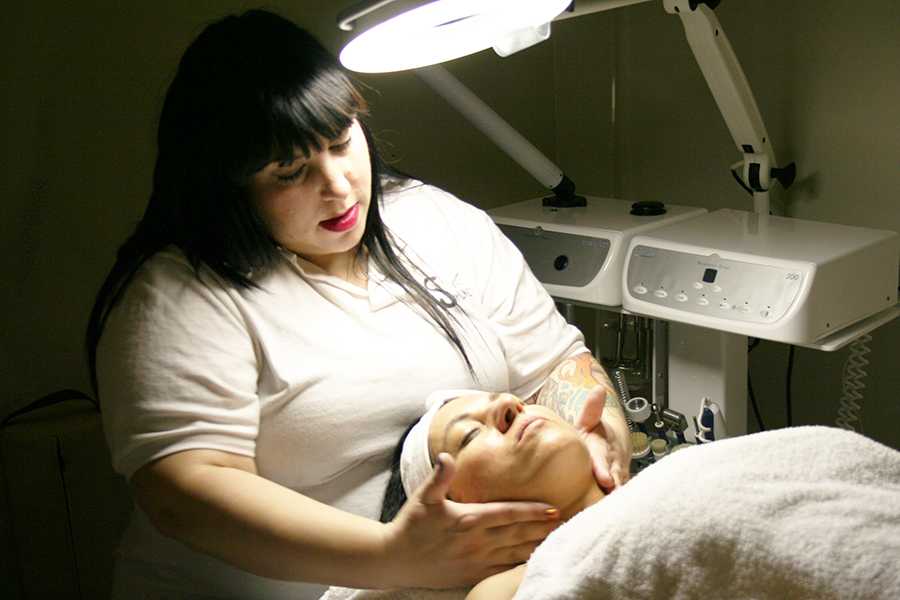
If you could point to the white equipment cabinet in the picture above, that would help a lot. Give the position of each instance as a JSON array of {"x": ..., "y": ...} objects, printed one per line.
[
  {"x": 729, "y": 274},
  {"x": 578, "y": 253},
  {"x": 775, "y": 278}
]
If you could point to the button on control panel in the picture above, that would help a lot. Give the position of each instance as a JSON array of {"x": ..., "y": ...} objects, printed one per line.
[{"x": 712, "y": 285}]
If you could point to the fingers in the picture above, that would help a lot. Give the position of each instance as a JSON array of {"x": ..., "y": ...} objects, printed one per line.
[
  {"x": 513, "y": 555},
  {"x": 434, "y": 491},
  {"x": 616, "y": 473},
  {"x": 514, "y": 544},
  {"x": 592, "y": 411},
  {"x": 522, "y": 533},
  {"x": 502, "y": 514},
  {"x": 598, "y": 447},
  {"x": 604, "y": 477},
  {"x": 619, "y": 473}
]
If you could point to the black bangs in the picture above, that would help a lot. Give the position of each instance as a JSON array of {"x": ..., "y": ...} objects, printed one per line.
[
  {"x": 300, "y": 93},
  {"x": 321, "y": 108},
  {"x": 274, "y": 90}
]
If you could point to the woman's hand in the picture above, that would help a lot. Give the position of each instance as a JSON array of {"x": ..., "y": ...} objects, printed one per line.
[
  {"x": 579, "y": 390},
  {"x": 437, "y": 543},
  {"x": 609, "y": 451}
]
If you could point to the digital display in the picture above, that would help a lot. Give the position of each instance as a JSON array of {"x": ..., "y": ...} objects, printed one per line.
[{"x": 709, "y": 275}]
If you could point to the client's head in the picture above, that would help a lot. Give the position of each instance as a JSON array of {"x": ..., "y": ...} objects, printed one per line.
[{"x": 503, "y": 449}]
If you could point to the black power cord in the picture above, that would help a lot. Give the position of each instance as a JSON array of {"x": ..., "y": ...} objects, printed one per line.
[
  {"x": 787, "y": 386},
  {"x": 753, "y": 343}
]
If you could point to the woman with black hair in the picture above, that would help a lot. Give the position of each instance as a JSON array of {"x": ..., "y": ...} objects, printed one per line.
[{"x": 267, "y": 331}]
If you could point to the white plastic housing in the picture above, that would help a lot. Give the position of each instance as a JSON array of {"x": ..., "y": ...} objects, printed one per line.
[
  {"x": 593, "y": 240},
  {"x": 769, "y": 277}
]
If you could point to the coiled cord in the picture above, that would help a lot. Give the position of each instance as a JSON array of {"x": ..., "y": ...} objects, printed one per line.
[
  {"x": 853, "y": 385},
  {"x": 624, "y": 395}
]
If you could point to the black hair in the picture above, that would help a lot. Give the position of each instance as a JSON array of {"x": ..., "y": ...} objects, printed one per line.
[
  {"x": 394, "y": 494},
  {"x": 249, "y": 90}
]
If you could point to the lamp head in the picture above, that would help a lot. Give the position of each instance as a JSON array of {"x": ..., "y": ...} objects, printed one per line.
[{"x": 401, "y": 34}]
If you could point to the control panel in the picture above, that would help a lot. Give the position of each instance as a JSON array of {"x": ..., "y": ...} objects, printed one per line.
[
  {"x": 713, "y": 286},
  {"x": 774, "y": 278}
]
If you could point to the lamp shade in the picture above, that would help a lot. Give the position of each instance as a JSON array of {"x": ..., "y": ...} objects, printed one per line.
[{"x": 428, "y": 33}]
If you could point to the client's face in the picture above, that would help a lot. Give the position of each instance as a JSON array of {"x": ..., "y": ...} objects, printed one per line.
[{"x": 507, "y": 450}]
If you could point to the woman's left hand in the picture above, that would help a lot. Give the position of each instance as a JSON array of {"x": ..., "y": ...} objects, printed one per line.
[{"x": 609, "y": 452}]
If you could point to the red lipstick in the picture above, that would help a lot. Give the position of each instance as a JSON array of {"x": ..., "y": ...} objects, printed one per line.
[{"x": 343, "y": 222}]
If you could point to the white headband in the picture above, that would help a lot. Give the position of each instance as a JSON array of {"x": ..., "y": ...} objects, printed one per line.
[{"x": 415, "y": 459}]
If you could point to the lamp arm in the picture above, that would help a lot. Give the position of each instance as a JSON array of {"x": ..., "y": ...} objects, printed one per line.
[
  {"x": 496, "y": 129},
  {"x": 732, "y": 93},
  {"x": 586, "y": 7}
]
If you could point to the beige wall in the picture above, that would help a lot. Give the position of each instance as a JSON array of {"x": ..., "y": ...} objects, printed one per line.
[
  {"x": 83, "y": 82},
  {"x": 826, "y": 82}
]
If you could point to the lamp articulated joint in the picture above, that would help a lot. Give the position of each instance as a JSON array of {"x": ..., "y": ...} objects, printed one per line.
[
  {"x": 712, "y": 4},
  {"x": 688, "y": 6},
  {"x": 757, "y": 173}
]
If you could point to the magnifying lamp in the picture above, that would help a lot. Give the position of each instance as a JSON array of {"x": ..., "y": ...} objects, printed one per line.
[
  {"x": 395, "y": 35},
  {"x": 408, "y": 35}
]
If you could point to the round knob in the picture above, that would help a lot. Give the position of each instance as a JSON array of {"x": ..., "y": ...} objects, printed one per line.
[
  {"x": 638, "y": 409},
  {"x": 561, "y": 262},
  {"x": 648, "y": 208}
]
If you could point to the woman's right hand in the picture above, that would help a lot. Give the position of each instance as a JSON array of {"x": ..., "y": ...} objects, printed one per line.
[{"x": 434, "y": 542}]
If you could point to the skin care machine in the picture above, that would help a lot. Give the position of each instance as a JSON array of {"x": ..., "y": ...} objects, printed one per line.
[{"x": 708, "y": 280}]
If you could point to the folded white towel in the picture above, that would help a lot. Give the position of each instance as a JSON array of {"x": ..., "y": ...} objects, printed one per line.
[{"x": 807, "y": 512}]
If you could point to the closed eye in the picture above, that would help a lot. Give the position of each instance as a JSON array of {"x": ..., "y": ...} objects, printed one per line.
[
  {"x": 342, "y": 146},
  {"x": 339, "y": 148},
  {"x": 469, "y": 437},
  {"x": 293, "y": 176}
]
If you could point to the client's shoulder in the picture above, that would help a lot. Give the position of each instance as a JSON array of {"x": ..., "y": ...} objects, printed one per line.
[{"x": 498, "y": 587}]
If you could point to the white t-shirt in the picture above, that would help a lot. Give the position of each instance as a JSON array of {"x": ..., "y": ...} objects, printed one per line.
[{"x": 314, "y": 377}]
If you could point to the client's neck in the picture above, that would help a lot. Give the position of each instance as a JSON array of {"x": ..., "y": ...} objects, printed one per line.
[{"x": 592, "y": 494}]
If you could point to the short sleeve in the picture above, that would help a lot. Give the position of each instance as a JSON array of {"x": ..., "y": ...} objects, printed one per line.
[
  {"x": 535, "y": 337},
  {"x": 176, "y": 368}
]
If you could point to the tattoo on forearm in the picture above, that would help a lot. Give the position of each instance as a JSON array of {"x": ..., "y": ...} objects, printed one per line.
[
  {"x": 570, "y": 383},
  {"x": 564, "y": 398}
]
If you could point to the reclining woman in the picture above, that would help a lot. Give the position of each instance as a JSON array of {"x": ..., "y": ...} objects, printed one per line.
[
  {"x": 804, "y": 512},
  {"x": 497, "y": 447},
  {"x": 494, "y": 446}
]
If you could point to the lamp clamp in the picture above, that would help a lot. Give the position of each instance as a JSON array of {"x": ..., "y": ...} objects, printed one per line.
[{"x": 564, "y": 195}]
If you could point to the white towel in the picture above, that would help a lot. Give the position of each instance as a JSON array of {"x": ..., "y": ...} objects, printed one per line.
[{"x": 807, "y": 512}]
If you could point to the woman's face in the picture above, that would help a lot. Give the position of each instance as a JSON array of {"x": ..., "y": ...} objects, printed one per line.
[
  {"x": 507, "y": 450},
  {"x": 316, "y": 205}
]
